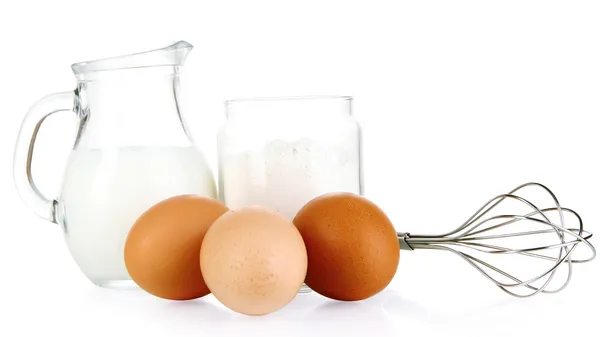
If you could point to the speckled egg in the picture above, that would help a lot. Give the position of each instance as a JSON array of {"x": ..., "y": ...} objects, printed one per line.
[{"x": 253, "y": 260}]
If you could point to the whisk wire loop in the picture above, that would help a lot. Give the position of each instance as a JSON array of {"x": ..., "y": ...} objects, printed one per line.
[{"x": 469, "y": 236}]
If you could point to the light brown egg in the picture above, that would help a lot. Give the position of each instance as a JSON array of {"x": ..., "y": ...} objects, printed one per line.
[
  {"x": 163, "y": 246},
  {"x": 253, "y": 260},
  {"x": 353, "y": 249}
]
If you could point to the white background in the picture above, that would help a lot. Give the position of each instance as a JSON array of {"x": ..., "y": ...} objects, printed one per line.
[{"x": 459, "y": 101}]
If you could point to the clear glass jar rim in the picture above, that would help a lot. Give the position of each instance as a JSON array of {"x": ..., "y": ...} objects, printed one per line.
[{"x": 288, "y": 98}]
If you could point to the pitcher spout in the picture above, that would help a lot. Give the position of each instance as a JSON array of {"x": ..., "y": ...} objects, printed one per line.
[{"x": 173, "y": 55}]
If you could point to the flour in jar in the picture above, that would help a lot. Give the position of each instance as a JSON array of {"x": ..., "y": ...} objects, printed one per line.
[{"x": 284, "y": 175}]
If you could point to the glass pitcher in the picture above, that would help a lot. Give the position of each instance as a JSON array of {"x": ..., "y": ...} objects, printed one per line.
[{"x": 132, "y": 150}]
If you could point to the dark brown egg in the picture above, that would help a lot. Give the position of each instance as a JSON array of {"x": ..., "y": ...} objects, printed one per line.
[
  {"x": 353, "y": 249},
  {"x": 163, "y": 246}
]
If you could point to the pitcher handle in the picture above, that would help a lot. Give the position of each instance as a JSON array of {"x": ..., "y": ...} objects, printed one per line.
[{"x": 31, "y": 195}]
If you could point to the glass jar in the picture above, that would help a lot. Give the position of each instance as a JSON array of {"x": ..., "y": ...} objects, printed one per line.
[{"x": 280, "y": 153}]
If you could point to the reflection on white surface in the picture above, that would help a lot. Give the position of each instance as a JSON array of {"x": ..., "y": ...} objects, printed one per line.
[
  {"x": 431, "y": 294},
  {"x": 306, "y": 315},
  {"x": 421, "y": 301}
]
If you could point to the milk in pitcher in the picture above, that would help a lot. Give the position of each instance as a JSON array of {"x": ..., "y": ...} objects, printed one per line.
[{"x": 106, "y": 190}]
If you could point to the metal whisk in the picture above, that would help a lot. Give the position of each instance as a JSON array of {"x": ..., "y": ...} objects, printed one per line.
[{"x": 502, "y": 235}]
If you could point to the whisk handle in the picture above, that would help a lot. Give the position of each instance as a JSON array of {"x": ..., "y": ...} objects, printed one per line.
[{"x": 402, "y": 239}]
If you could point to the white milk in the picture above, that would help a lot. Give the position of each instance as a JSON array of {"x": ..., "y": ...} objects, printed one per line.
[{"x": 105, "y": 191}]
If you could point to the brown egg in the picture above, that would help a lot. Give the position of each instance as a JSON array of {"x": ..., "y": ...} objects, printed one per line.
[
  {"x": 352, "y": 246},
  {"x": 162, "y": 248},
  {"x": 253, "y": 261}
]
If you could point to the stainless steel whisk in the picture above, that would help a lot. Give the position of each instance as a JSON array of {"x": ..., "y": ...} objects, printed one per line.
[{"x": 484, "y": 233}]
